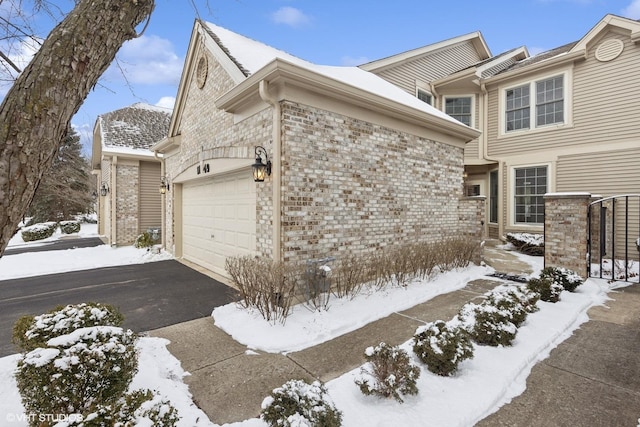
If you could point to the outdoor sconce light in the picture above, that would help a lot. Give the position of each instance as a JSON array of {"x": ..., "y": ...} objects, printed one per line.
[
  {"x": 164, "y": 185},
  {"x": 104, "y": 189},
  {"x": 261, "y": 170}
]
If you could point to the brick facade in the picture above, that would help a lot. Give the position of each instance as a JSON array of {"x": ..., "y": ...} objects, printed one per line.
[
  {"x": 127, "y": 184},
  {"x": 347, "y": 184},
  {"x": 565, "y": 231},
  {"x": 350, "y": 185}
]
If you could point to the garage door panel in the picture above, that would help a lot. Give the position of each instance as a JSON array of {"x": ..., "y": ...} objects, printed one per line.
[{"x": 219, "y": 220}]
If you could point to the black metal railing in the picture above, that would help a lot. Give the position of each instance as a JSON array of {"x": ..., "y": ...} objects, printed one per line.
[{"x": 614, "y": 228}]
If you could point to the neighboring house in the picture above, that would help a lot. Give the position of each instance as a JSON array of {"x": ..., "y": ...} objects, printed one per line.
[
  {"x": 566, "y": 120},
  {"x": 356, "y": 163},
  {"x": 128, "y": 173}
]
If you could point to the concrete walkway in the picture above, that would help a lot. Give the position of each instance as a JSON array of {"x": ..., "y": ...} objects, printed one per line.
[
  {"x": 229, "y": 385},
  {"x": 592, "y": 379}
]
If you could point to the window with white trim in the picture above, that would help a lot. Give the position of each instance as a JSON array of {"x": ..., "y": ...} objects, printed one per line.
[
  {"x": 530, "y": 185},
  {"x": 548, "y": 108},
  {"x": 460, "y": 108},
  {"x": 425, "y": 96}
]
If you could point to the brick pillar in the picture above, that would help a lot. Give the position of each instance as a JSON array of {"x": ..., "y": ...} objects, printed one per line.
[
  {"x": 471, "y": 217},
  {"x": 565, "y": 231}
]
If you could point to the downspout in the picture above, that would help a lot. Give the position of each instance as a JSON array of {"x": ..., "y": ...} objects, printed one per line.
[
  {"x": 484, "y": 154},
  {"x": 434, "y": 92},
  {"x": 163, "y": 207},
  {"x": 112, "y": 199},
  {"x": 276, "y": 169}
]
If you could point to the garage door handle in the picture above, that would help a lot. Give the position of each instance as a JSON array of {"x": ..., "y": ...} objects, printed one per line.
[{"x": 213, "y": 236}]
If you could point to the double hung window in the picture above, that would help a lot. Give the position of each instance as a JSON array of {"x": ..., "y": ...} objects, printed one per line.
[{"x": 546, "y": 106}]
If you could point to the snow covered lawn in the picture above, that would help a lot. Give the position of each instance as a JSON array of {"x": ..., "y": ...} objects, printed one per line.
[
  {"x": 39, "y": 263},
  {"x": 482, "y": 385}
]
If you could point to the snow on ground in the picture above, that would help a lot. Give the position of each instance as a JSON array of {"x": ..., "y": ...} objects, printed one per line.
[
  {"x": 483, "y": 384},
  {"x": 39, "y": 263},
  {"x": 304, "y": 328}
]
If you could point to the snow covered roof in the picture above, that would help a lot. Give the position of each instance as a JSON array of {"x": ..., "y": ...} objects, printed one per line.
[
  {"x": 251, "y": 56},
  {"x": 136, "y": 127}
]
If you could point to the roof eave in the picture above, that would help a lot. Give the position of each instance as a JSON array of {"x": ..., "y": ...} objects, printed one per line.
[
  {"x": 476, "y": 37},
  {"x": 279, "y": 69},
  {"x": 537, "y": 66}
]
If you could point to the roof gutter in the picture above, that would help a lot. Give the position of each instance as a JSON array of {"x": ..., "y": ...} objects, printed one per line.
[{"x": 277, "y": 69}]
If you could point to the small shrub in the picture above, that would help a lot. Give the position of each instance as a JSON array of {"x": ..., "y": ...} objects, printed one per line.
[
  {"x": 69, "y": 227},
  {"x": 349, "y": 276},
  {"x": 265, "y": 285},
  {"x": 78, "y": 371},
  {"x": 487, "y": 324},
  {"x": 388, "y": 373},
  {"x": 511, "y": 302},
  {"x": 144, "y": 240},
  {"x": 140, "y": 407},
  {"x": 442, "y": 347},
  {"x": 31, "y": 332},
  {"x": 298, "y": 404},
  {"x": 527, "y": 243},
  {"x": 38, "y": 231},
  {"x": 568, "y": 279},
  {"x": 547, "y": 288}
]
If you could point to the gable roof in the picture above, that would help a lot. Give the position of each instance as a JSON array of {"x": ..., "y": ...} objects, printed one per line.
[
  {"x": 476, "y": 38},
  {"x": 574, "y": 50},
  {"x": 248, "y": 62},
  {"x": 136, "y": 127}
]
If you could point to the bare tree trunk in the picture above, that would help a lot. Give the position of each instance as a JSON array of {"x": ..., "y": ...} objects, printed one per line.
[{"x": 36, "y": 112}]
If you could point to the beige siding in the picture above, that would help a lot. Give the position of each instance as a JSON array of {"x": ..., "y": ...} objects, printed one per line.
[
  {"x": 605, "y": 100},
  {"x": 471, "y": 151},
  {"x": 605, "y": 173},
  {"x": 430, "y": 67},
  {"x": 150, "y": 199}
]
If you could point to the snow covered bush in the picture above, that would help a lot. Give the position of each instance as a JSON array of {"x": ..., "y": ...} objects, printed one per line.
[
  {"x": 31, "y": 332},
  {"x": 137, "y": 408},
  {"x": 487, "y": 324},
  {"x": 348, "y": 276},
  {"x": 38, "y": 231},
  {"x": 300, "y": 404},
  {"x": 388, "y": 373},
  {"x": 77, "y": 360},
  {"x": 568, "y": 279},
  {"x": 78, "y": 371},
  {"x": 527, "y": 243},
  {"x": 516, "y": 301},
  {"x": 69, "y": 227},
  {"x": 548, "y": 289},
  {"x": 442, "y": 346}
]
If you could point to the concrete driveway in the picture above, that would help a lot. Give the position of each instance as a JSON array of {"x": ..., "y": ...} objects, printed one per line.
[{"x": 150, "y": 296}]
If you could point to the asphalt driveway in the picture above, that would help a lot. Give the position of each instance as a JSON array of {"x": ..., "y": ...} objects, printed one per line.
[{"x": 150, "y": 296}]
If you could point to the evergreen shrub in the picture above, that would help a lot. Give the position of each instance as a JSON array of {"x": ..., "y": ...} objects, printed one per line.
[
  {"x": 77, "y": 360},
  {"x": 568, "y": 279},
  {"x": 488, "y": 324},
  {"x": 442, "y": 346},
  {"x": 388, "y": 373},
  {"x": 298, "y": 403},
  {"x": 69, "y": 227},
  {"x": 547, "y": 288},
  {"x": 39, "y": 231}
]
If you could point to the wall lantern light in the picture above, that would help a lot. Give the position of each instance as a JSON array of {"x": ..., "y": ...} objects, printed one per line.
[
  {"x": 261, "y": 170},
  {"x": 104, "y": 189},
  {"x": 164, "y": 185}
]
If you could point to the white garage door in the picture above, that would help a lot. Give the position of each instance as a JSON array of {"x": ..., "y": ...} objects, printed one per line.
[{"x": 219, "y": 220}]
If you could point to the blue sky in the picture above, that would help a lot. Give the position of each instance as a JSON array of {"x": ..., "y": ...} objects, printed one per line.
[{"x": 333, "y": 32}]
